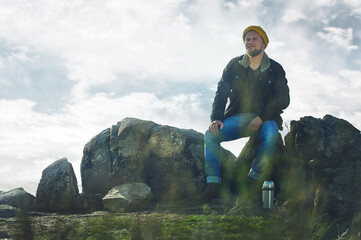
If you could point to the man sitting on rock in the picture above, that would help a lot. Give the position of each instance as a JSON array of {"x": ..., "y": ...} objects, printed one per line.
[{"x": 257, "y": 91}]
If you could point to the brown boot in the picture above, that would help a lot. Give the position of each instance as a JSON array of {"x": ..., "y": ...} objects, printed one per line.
[
  {"x": 211, "y": 192},
  {"x": 254, "y": 189}
]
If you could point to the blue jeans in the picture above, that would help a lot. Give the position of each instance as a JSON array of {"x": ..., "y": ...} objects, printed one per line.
[{"x": 236, "y": 127}]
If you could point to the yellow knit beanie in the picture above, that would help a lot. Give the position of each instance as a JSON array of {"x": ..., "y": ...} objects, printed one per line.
[{"x": 259, "y": 30}]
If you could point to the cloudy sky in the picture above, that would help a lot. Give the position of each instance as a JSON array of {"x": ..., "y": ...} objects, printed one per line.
[{"x": 72, "y": 68}]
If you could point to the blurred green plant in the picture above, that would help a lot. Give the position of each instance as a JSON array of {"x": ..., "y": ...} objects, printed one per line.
[
  {"x": 23, "y": 227},
  {"x": 164, "y": 226}
]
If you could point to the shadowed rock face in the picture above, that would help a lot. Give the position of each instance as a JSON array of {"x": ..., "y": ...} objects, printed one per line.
[
  {"x": 58, "y": 188},
  {"x": 319, "y": 170},
  {"x": 329, "y": 138},
  {"x": 168, "y": 159},
  {"x": 330, "y": 151}
]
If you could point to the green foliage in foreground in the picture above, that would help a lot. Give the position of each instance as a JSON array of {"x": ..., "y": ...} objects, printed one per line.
[{"x": 163, "y": 226}]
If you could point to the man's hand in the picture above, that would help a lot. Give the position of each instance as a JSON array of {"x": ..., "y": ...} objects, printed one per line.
[
  {"x": 255, "y": 124},
  {"x": 213, "y": 127}
]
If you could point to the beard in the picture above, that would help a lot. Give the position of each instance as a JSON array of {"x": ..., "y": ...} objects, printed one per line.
[{"x": 253, "y": 53}]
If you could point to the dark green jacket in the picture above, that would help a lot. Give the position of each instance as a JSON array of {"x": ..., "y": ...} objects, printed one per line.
[{"x": 269, "y": 98}]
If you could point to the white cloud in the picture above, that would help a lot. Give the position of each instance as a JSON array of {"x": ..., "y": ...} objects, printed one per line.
[
  {"x": 96, "y": 41},
  {"x": 29, "y": 138},
  {"x": 307, "y": 10},
  {"x": 357, "y": 12},
  {"x": 316, "y": 94},
  {"x": 245, "y": 4},
  {"x": 293, "y": 15},
  {"x": 353, "y": 3},
  {"x": 339, "y": 36}
]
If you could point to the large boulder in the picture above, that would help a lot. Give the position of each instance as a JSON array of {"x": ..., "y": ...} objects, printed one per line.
[
  {"x": 115, "y": 156},
  {"x": 127, "y": 197},
  {"x": 18, "y": 198},
  {"x": 175, "y": 163},
  {"x": 325, "y": 177},
  {"x": 319, "y": 139},
  {"x": 318, "y": 177},
  {"x": 168, "y": 159},
  {"x": 58, "y": 188}
]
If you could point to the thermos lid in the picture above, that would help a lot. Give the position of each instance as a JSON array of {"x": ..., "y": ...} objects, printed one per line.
[{"x": 268, "y": 185}]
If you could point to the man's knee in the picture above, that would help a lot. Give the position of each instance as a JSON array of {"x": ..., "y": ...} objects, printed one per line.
[
  {"x": 208, "y": 136},
  {"x": 272, "y": 137},
  {"x": 269, "y": 132}
]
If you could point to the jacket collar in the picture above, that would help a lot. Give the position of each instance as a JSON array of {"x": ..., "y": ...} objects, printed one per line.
[{"x": 265, "y": 64}]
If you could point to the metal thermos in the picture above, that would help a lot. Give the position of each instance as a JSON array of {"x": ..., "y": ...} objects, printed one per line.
[{"x": 268, "y": 193}]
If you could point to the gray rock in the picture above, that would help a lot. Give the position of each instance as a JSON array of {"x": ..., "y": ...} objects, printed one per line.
[
  {"x": 318, "y": 139},
  {"x": 96, "y": 165},
  {"x": 89, "y": 202},
  {"x": 18, "y": 198},
  {"x": 326, "y": 155},
  {"x": 58, "y": 188},
  {"x": 176, "y": 162},
  {"x": 127, "y": 197},
  {"x": 7, "y": 211},
  {"x": 317, "y": 172},
  {"x": 168, "y": 159},
  {"x": 116, "y": 156}
]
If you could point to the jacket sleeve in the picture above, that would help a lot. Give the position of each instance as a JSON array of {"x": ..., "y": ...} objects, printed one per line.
[
  {"x": 222, "y": 94},
  {"x": 279, "y": 99}
]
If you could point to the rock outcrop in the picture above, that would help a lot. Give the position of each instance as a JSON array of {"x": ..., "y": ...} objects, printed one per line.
[
  {"x": 317, "y": 171},
  {"x": 127, "y": 197},
  {"x": 327, "y": 153},
  {"x": 58, "y": 188},
  {"x": 18, "y": 198},
  {"x": 168, "y": 159},
  {"x": 318, "y": 174},
  {"x": 116, "y": 156}
]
